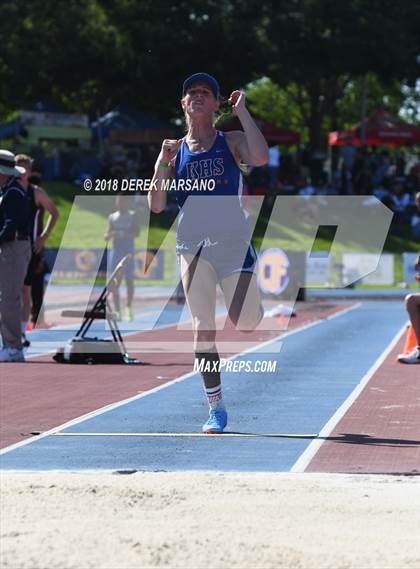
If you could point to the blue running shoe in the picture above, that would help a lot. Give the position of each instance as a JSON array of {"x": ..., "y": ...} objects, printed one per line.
[{"x": 216, "y": 422}]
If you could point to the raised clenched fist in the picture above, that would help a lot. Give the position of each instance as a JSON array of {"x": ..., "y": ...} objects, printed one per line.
[
  {"x": 169, "y": 149},
  {"x": 237, "y": 100}
]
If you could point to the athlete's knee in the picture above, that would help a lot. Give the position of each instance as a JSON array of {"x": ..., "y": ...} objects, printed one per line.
[
  {"x": 248, "y": 320},
  {"x": 412, "y": 302},
  {"x": 204, "y": 336}
]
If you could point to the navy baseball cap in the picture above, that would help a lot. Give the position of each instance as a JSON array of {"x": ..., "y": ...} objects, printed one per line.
[{"x": 202, "y": 78}]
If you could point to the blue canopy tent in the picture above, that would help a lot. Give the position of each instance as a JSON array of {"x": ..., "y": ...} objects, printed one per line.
[{"x": 124, "y": 125}]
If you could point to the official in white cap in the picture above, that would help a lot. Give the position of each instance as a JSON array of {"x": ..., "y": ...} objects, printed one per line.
[{"x": 15, "y": 252}]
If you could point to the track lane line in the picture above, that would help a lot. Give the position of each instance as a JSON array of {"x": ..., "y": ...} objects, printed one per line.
[
  {"x": 305, "y": 458},
  {"x": 122, "y": 402},
  {"x": 200, "y": 435}
]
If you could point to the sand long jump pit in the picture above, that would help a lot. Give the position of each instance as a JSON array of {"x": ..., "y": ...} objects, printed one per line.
[{"x": 216, "y": 520}]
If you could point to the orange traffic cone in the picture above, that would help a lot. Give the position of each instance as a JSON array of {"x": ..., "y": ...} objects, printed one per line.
[
  {"x": 410, "y": 341},
  {"x": 281, "y": 319}
]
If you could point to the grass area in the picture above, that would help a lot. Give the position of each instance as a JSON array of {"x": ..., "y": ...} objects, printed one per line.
[
  {"x": 83, "y": 218},
  {"x": 83, "y": 221}
]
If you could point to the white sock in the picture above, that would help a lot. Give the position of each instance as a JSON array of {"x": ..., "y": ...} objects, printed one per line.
[
  {"x": 214, "y": 397},
  {"x": 24, "y": 327}
]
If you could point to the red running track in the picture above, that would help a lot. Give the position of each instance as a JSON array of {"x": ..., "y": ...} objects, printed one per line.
[
  {"x": 380, "y": 433},
  {"x": 42, "y": 394}
]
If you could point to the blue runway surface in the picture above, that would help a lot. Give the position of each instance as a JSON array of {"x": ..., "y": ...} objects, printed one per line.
[{"x": 317, "y": 369}]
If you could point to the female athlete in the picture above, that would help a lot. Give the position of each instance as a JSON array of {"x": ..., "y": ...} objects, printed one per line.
[{"x": 213, "y": 235}]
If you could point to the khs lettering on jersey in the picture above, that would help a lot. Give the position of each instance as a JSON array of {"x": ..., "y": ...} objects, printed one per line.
[{"x": 205, "y": 168}]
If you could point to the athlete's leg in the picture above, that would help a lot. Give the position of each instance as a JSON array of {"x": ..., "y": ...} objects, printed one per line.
[
  {"x": 412, "y": 303},
  {"x": 243, "y": 300},
  {"x": 25, "y": 313},
  {"x": 117, "y": 301},
  {"x": 130, "y": 290},
  {"x": 26, "y": 303},
  {"x": 26, "y": 292},
  {"x": 114, "y": 257},
  {"x": 37, "y": 295},
  {"x": 200, "y": 280},
  {"x": 129, "y": 281}
]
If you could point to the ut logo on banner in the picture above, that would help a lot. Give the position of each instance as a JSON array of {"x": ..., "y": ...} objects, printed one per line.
[
  {"x": 87, "y": 260},
  {"x": 273, "y": 271}
]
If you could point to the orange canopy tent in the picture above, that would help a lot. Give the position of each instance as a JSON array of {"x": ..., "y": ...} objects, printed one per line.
[{"x": 381, "y": 128}]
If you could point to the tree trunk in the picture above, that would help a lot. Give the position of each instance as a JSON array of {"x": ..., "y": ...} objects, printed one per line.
[
  {"x": 315, "y": 116},
  {"x": 333, "y": 124}
]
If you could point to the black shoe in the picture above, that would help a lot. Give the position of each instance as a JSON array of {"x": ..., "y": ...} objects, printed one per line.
[{"x": 25, "y": 342}]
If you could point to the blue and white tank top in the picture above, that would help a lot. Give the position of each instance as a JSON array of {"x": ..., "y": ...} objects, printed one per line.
[{"x": 216, "y": 215}]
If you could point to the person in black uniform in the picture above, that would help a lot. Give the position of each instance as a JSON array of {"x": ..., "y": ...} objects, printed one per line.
[
  {"x": 38, "y": 282},
  {"x": 15, "y": 252},
  {"x": 39, "y": 202}
]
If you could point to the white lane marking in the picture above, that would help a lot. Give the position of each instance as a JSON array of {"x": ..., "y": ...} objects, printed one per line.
[
  {"x": 305, "y": 458},
  {"x": 200, "y": 435},
  {"x": 117, "y": 404}
]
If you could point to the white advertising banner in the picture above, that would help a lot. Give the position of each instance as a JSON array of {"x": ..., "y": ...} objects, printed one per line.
[
  {"x": 317, "y": 270},
  {"x": 356, "y": 264},
  {"x": 409, "y": 260}
]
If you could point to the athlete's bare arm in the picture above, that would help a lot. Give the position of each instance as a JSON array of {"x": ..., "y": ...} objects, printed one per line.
[
  {"x": 109, "y": 234},
  {"x": 163, "y": 170},
  {"x": 42, "y": 200},
  {"x": 249, "y": 146}
]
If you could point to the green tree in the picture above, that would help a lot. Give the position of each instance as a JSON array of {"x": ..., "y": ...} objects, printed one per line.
[
  {"x": 66, "y": 52},
  {"x": 322, "y": 45},
  {"x": 289, "y": 106},
  {"x": 89, "y": 55}
]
